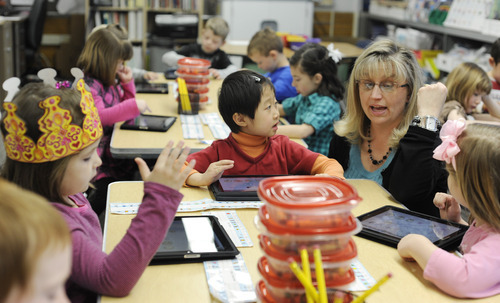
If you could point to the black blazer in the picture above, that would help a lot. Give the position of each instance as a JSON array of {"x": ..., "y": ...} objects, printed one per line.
[{"x": 414, "y": 176}]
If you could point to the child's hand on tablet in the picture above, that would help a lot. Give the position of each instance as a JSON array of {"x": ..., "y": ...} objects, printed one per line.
[
  {"x": 212, "y": 174},
  {"x": 415, "y": 247}
]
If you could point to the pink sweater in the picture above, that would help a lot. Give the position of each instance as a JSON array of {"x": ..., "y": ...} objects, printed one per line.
[
  {"x": 477, "y": 274},
  {"x": 93, "y": 271}
]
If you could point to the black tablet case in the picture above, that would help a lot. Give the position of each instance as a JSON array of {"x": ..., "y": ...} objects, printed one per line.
[
  {"x": 450, "y": 243},
  {"x": 225, "y": 246},
  {"x": 152, "y": 123}
]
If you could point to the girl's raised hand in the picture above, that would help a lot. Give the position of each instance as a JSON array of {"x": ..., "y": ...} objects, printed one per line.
[
  {"x": 168, "y": 168},
  {"x": 449, "y": 208}
]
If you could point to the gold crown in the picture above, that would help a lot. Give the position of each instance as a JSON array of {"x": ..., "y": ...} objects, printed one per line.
[{"x": 59, "y": 137}]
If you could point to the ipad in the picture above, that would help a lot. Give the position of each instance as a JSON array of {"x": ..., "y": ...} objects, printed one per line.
[
  {"x": 149, "y": 123},
  {"x": 388, "y": 224},
  {"x": 237, "y": 188},
  {"x": 151, "y": 88},
  {"x": 195, "y": 239}
]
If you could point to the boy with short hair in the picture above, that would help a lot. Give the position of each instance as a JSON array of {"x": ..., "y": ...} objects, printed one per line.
[
  {"x": 266, "y": 50},
  {"x": 248, "y": 106},
  {"x": 208, "y": 47}
]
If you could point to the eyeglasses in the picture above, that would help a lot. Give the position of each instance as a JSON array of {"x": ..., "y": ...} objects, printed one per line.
[{"x": 385, "y": 86}]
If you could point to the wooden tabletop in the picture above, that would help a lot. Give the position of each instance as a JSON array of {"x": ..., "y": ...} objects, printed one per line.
[
  {"x": 239, "y": 48},
  {"x": 187, "y": 282}
]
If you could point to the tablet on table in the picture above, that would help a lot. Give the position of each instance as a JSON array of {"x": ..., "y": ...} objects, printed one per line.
[
  {"x": 195, "y": 239},
  {"x": 388, "y": 224},
  {"x": 149, "y": 123},
  {"x": 237, "y": 187}
]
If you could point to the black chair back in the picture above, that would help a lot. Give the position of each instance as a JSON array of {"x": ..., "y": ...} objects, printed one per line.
[{"x": 34, "y": 29}]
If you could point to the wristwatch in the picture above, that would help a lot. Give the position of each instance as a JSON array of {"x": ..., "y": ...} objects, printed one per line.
[{"x": 428, "y": 122}]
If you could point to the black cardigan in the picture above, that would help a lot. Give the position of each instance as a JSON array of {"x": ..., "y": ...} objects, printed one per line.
[{"x": 413, "y": 177}]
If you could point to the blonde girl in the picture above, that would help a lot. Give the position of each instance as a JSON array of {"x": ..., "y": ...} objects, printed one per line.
[
  {"x": 467, "y": 85},
  {"x": 35, "y": 250},
  {"x": 472, "y": 155}
]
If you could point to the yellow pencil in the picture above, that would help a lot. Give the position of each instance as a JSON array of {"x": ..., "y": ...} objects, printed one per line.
[
  {"x": 320, "y": 275},
  {"x": 183, "y": 95},
  {"x": 338, "y": 297},
  {"x": 308, "y": 286},
  {"x": 373, "y": 289},
  {"x": 307, "y": 270}
]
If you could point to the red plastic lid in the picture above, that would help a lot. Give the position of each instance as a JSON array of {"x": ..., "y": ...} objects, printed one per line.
[
  {"x": 277, "y": 281},
  {"x": 278, "y": 229},
  {"x": 191, "y": 72},
  {"x": 348, "y": 253},
  {"x": 307, "y": 192},
  {"x": 263, "y": 294},
  {"x": 194, "y": 62}
]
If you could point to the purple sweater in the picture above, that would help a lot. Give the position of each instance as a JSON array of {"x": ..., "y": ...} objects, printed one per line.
[
  {"x": 93, "y": 271},
  {"x": 114, "y": 104}
]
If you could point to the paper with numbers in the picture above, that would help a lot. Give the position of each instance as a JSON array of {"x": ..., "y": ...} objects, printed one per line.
[
  {"x": 229, "y": 280},
  {"x": 233, "y": 227},
  {"x": 188, "y": 206},
  {"x": 364, "y": 280}
]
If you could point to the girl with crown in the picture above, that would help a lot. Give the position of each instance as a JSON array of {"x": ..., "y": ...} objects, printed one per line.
[{"x": 51, "y": 137}]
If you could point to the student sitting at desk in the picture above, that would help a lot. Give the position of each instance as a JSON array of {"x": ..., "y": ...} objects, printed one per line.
[
  {"x": 248, "y": 106},
  {"x": 212, "y": 38},
  {"x": 473, "y": 160},
  {"x": 103, "y": 62},
  {"x": 266, "y": 50}
]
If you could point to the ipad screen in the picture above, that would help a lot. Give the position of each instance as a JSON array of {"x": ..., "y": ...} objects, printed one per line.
[
  {"x": 400, "y": 224},
  {"x": 240, "y": 183}
]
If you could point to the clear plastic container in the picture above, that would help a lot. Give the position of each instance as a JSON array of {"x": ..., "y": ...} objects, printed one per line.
[
  {"x": 308, "y": 201},
  {"x": 289, "y": 240},
  {"x": 193, "y": 64},
  {"x": 336, "y": 266}
]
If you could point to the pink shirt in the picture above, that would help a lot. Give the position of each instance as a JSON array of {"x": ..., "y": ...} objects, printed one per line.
[
  {"x": 477, "y": 274},
  {"x": 95, "y": 272}
]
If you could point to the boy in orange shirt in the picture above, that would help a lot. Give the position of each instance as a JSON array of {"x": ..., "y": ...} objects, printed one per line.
[{"x": 248, "y": 106}]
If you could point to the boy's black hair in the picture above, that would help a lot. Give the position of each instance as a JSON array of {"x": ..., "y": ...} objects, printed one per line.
[
  {"x": 240, "y": 93},
  {"x": 313, "y": 58},
  {"x": 495, "y": 51}
]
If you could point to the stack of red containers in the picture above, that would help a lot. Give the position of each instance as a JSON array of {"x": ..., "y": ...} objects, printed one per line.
[
  {"x": 304, "y": 212},
  {"x": 195, "y": 72}
]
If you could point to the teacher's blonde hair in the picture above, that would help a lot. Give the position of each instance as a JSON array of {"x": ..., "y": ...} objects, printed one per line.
[{"x": 393, "y": 61}]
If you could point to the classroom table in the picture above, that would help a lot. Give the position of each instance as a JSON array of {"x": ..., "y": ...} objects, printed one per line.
[
  {"x": 348, "y": 50},
  {"x": 149, "y": 144},
  {"x": 187, "y": 282}
]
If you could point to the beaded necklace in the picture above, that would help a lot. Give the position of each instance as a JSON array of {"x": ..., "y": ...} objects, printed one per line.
[{"x": 376, "y": 162}]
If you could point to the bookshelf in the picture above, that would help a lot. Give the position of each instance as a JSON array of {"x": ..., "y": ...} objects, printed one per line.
[
  {"x": 448, "y": 35},
  {"x": 138, "y": 17}
]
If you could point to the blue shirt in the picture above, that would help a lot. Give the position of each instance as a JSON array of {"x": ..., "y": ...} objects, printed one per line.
[
  {"x": 356, "y": 170},
  {"x": 318, "y": 111},
  {"x": 282, "y": 81}
]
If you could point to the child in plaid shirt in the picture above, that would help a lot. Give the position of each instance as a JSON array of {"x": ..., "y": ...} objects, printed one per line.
[{"x": 314, "y": 110}]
